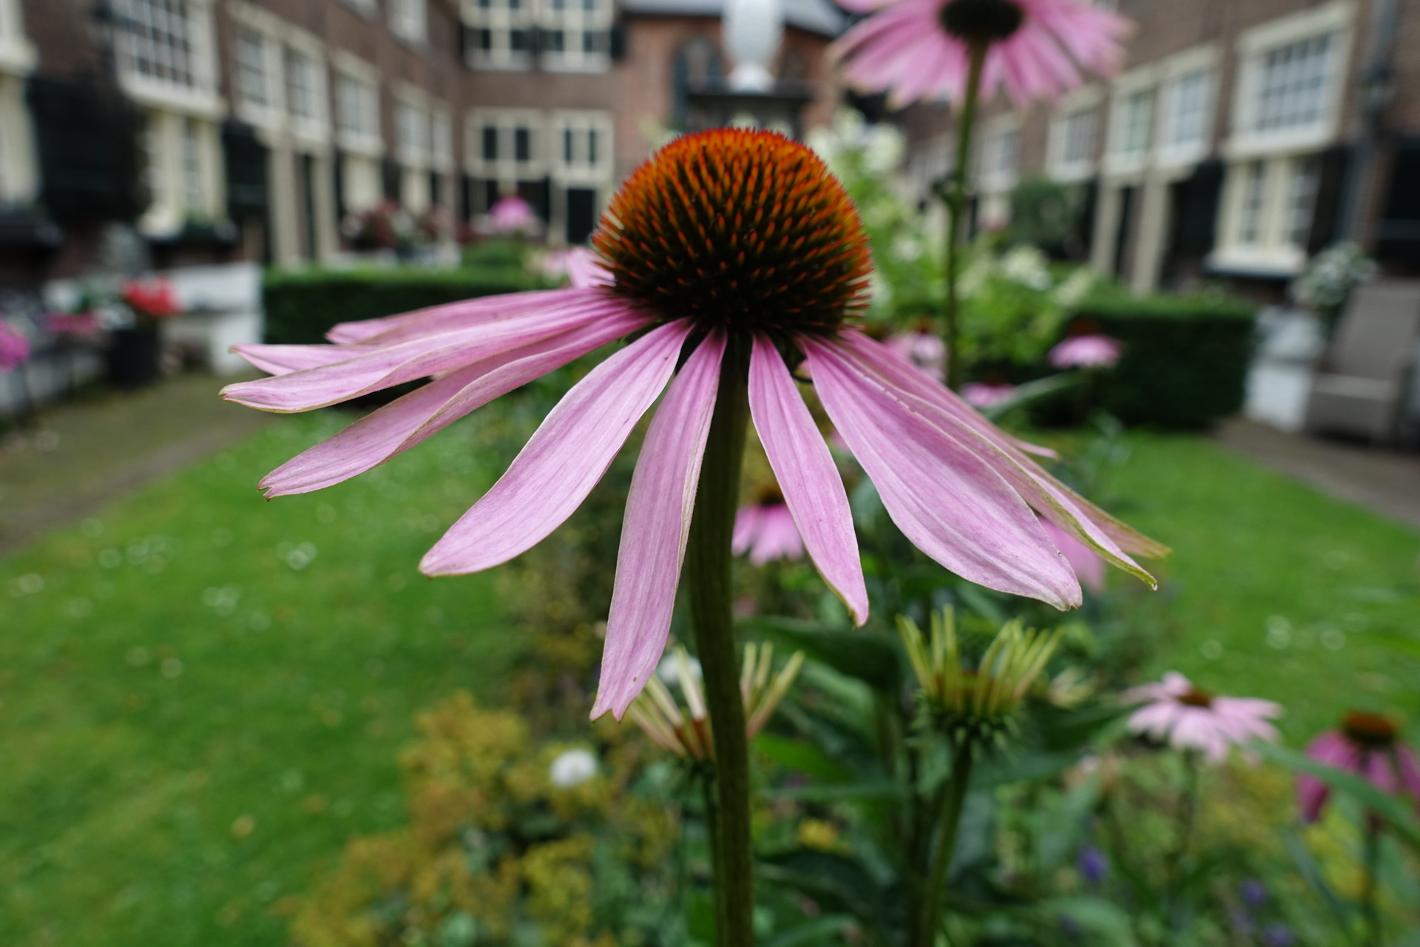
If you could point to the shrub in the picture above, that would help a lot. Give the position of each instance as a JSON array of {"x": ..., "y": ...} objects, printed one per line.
[
  {"x": 302, "y": 305},
  {"x": 1185, "y": 357}
]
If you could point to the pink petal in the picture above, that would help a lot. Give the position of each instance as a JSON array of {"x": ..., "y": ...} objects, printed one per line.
[
  {"x": 945, "y": 499},
  {"x": 802, "y": 464},
  {"x": 461, "y": 314},
  {"x": 653, "y": 538},
  {"x": 284, "y": 359},
  {"x": 412, "y": 359},
  {"x": 1330, "y": 749},
  {"x": 746, "y": 529},
  {"x": 563, "y": 460},
  {"x": 415, "y": 417}
]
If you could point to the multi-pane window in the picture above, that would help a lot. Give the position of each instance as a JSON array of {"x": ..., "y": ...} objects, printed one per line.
[
  {"x": 1254, "y": 199},
  {"x": 157, "y": 41},
  {"x": 1187, "y": 109},
  {"x": 442, "y": 139},
  {"x": 409, "y": 19},
  {"x": 1002, "y": 155},
  {"x": 194, "y": 179},
  {"x": 1293, "y": 83},
  {"x": 505, "y": 145},
  {"x": 412, "y": 133},
  {"x": 302, "y": 86},
  {"x": 576, "y": 34},
  {"x": 1134, "y": 117},
  {"x": 500, "y": 31},
  {"x": 1077, "y": 136},
  {"x": 253, "y": 74},
  {"x": 357, "y": 109}
]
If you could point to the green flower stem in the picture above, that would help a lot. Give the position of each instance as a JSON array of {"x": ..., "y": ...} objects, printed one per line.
[
  {"x": 707, "y": 571},
  {"x": 1370, "y": 905},
  {"x": 1187, "y": 819},
  {"x": 951, "y": 801},
  {"x": 956, "y": 212}
]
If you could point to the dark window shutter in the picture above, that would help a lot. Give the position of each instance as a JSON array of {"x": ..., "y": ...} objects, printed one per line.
[
  {"x": 391, "y": 175},
  {"x": 245, "y": 158},
  {"x": 1085, "y": 218},
  {"x": 1398, "y": 232},
  {"x": 618, "y": 41},
  {"x": 1331, "y": 185},
  {"x": 87, "y": 138},
  {"x": 337, "y": 172},
  {"x": 1196, "y": 211}
]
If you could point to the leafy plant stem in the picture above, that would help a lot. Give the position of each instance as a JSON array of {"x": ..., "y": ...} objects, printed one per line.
[
  {"x": 1370, "y": 906},
  {"x": 956, "y": 211},
  {"x": 949, "y": 812},
  {"x": 707, "y": 571}
]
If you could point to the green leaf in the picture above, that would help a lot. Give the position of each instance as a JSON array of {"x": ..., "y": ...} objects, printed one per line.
[
  {"x": 802, "y": 757},
  {"x": 862, "y": 655},
  {"x": 1397, "y": 813},
  {"x": 1042, "y": 389}
]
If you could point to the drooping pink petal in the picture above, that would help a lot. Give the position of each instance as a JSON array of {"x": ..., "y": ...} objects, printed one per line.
[
  {"x": 563, "y": 460},
  {"x": 952, "y": 505},
  {"x": 413, "y": 418},
  {"x": 807, "y": 477},
  {"x": 659, "y": 507},
  {"x": 746, "y": 529},
  {"x": 1330, "y": 749},
  {"x": 464, "y": 313},
  {"x": 1088, "y": 566},
  {"x": 284, "y": 359},
  {"x": 412, "y": 359}
]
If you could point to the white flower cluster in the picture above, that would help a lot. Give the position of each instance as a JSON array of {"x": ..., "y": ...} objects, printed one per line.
[{"x": 1333, "y": 273}]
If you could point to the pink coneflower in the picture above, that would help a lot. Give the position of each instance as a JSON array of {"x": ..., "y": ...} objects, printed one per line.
[
  {"x": 511, "y": 215},
  {"x": 1087, "y": 351},
  {"x": 1034, "y": 49},
  {"x": 923, "y": 349},
  {"x": 80, "y": 325},
  {"x": 14, "y": 348},
  {"x": 984, "y": 395},
  {"x": 1367, "y": 745},
  {"x": 765, "y": 530},
  {"x": 1188, "y": 718},
  {"x": 733, "y": 256},
  {"x": 1089, "y": 568}
]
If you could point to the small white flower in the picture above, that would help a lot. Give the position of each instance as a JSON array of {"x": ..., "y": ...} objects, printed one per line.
[{"x": 572, "y": 768}]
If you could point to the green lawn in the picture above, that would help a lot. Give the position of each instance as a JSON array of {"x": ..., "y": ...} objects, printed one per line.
[
  {"x": 202, "y": 693},
  {"x": 1274, "y": 590}
]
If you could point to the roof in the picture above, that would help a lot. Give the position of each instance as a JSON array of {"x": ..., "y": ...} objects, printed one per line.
[{"x": 818, "y": 16}]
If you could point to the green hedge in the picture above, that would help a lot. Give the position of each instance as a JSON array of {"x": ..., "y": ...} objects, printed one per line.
[
  {"x": 1185, "y": 357},
  {"x": 302, "y": 305}
]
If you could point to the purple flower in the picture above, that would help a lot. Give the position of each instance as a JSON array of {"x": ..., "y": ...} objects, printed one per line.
[
  {"x": 725, "y": 241},
  {"x": 1087, "y": 351},
  {"x": 765, "y": 531},
  {"x": 1278, "y": 935},
  {"x": 984, "y": 395},
  {"x": 1367, "y": 745},
  {"x": 921, "y": 49},
  {"x": 1093, "y": 865},
  {"x": 511, "y": 215},
  {"x": 1253, "y": 892},
  {"x": 14, "y": 348}
]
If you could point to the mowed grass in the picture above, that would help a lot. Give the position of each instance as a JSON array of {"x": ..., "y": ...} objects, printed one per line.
[
  {"x": 202, "y": 694},
  {"x": 1273, "y": 589}
]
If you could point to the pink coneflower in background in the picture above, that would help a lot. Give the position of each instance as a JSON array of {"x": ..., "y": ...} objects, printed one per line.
[
  {"x": 765, "y": 530},
  {"x": 1087, "y": 351},
  {"x": 1187, "y": 718},
  {"x": 1033, "y": 49},
  {"x": 79, "y": 325},
  {"x": 984, "y": 395},
  {"x": 14, "y": 348},
  {"x": 1367, "y": 745},
  {"x": 1088, "y": 566},
  {"x": 923, "y": 349},
  {"x": 511, "y": 215},
  {"x": 733, "y": 256}
]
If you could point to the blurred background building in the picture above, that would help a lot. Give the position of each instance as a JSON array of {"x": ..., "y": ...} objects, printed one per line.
[
  {"x": 1242, "y": 137},
  {"x": 227, "y": 130}
]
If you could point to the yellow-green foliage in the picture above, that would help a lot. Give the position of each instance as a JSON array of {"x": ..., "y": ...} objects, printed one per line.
[{"x": 492, "y": 843}]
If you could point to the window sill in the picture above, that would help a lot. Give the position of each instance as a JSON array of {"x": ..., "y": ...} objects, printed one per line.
[{"x": 1267, "y": 263}]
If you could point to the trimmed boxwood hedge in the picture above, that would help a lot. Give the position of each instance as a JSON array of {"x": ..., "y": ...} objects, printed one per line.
[
  {"x": 302, "y": 305},
  {"x": 1185, "y": 357}
]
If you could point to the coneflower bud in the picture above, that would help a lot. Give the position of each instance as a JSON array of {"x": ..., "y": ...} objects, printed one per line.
[
  {"x": 975, "y": 700},
  {"x": 684, "y": 729}
]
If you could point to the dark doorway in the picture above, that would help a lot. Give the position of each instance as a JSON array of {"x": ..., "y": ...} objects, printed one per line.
[
  {"x": 581, "y": 214},
  {"x": 1126, "y": 228}
]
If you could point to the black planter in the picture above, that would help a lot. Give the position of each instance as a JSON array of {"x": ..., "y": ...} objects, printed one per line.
[{"x": 134, "y": 356}]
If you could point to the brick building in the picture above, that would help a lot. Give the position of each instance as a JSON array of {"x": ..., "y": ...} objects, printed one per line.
[
  {"x": 228, "y": 130},
  {"x": 1241, "y": 137}
]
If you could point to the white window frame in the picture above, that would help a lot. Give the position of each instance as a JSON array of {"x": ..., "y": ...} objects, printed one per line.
[
  {"x": 575, "y": 23},
  {"x": 17, "y": 54},
  {"x": 1272, "y": 249},
  {"x": 1141, "y": 84},
  {"x": 993, "y": 175},
  {"x": 366, "y": 8},
  {"x": 196, "y": 98},
  {"x": 367, "y": 139},
  {"x": 1337, "y": 19},
  {"x": 411, "y": 101},
  {"x": 1178, "y": 70},
  {"x": 441, "y": 137},
  {"x": 167, "y": 140},
  {"x": 581, "y": 172},
  {"x": 282, "y": 40},
  {"x": 501, "y": 21},
  {"x": 1062, "y": 166},
  {"x": 409, "y": 20}
]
